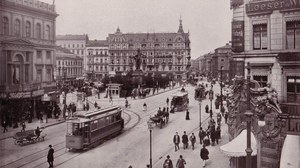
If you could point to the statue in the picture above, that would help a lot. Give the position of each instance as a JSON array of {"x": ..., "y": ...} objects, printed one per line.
[{"x": 138, "y": 59}]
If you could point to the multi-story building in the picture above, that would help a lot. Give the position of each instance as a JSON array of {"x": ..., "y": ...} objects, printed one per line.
[
  {"x": 27, "y": 55},
  {"x": 69, "y": 68},
  {"x": 221, "y": 60},
  {"x": 268, "y": 38},
  {"x": 97, "y": 59},
  {"x": 164, "y": 53},
  {"x": 75, "y": 43}
]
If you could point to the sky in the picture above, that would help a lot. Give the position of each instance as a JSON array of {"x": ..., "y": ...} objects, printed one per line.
[{"x": 207, "y": 21}]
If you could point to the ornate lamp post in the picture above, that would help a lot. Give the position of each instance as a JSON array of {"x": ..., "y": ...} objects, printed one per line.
[
  {"x": 249, "y": 115},
  {"x": 221, "y": 85},
  {"x": 150, "y": 127},
  {"x": 211, "y": 97},
  {"x": 199, "y": 95}
]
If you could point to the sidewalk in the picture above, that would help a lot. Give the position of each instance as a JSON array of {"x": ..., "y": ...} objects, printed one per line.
[
  {"x": 35, "y": 123},
  {"x": 192, "y": 157}
]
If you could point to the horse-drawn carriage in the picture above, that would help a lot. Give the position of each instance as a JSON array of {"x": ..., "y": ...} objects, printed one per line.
[
  {"x": 161, "y": 118},
  {"x": 28, "y": 137},
  {"x": 180, "y": 101}
]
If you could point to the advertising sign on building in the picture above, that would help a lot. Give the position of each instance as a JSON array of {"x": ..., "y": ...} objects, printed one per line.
[
  {"x": 236, "y": 2},
  {"x": 237, "y": 36},
  {"x": 269, "y": 6}
]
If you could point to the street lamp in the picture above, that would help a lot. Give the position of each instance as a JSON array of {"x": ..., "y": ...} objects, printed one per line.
[
  {"x": 211, "y": 97},
  {"x": 249, "y": 115},
  {"x": 199, "y": 95},
  {"x": 150, "y": 127},
  {"x": 221, "y": 108}
]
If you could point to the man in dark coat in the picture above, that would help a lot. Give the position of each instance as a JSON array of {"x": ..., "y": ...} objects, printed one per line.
[
  {"x": 176, "y": 141},
  {"x": 204, "y": 155},
  {"x": 50, "y": 157},
  {"x": 185, "y": 140},
  {"x": 187, "y": 115},
  {"x": 206, "y": 108},
  {"x": 168, "y": 163},
  {"x": 201, "y": 135}
]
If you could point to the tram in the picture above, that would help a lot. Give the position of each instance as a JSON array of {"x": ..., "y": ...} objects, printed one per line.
[
  {"x": 90, "y": 128},
  {"x": 179, "y": 101}
]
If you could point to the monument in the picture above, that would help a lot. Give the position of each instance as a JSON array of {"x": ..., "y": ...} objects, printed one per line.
[{"x": 138, "y": 74}]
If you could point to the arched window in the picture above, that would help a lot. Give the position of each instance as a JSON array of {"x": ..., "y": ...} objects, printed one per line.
[
  {"x": 5, "y": 26},
  {"x": 17, "y": 69},
  {"x": 47, "y": 32},
  {"x": 28, "y": 29},
  {"x": 17, "y": 27},
  {"x": 38, "y": 31}
]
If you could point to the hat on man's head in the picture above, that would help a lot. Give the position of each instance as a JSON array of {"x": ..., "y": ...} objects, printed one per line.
[
  {"x": 168, "y": 156},
  {"x": 50, "y": 146}
]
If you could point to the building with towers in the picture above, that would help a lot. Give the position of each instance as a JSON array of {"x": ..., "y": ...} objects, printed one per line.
[{"x": 167, "y": 54}]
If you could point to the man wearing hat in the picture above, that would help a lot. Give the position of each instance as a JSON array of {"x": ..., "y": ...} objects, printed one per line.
[
  {"x": 168, "y": 163},
  {"x": 50, "y": 157}
]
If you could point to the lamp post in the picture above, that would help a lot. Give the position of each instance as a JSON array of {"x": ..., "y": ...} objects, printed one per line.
[
  {"x": 249, "y": 115},
  {"x": 221, "y": 85},
  {"x": 150, "y": 127},
  {"x": 211, "y": 97}
]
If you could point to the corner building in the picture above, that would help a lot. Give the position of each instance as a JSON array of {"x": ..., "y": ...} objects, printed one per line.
[
  {"x": 266, "y": 34},
  {"x": 167, "y": 54},
  {"x": 27, "y": 56}
]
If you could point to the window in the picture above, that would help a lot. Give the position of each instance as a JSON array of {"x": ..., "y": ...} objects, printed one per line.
[
  {"x": 39, "y": 54},
  {"x": 48, "y": 75},
  {"x": 48, "y": 55},
  {"x": 293, "y": 89},
  {"x": 39, "y": 75},
  {"x": 262, "y": 80},
  {"x": 17, "y": 27},
  {"x": 5, "y": 26},
  {"x": 38, "y": 31},
  {"x": 26, "y": 73},
  {"x": 27, "y": 29},
  {"x": 47, "y": 32},
  {"x": 293, "y": 35},
  {"x": 260, "y": 37}
]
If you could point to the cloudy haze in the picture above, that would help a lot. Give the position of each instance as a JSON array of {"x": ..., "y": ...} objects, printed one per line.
[{"x": 208, "y": 21}]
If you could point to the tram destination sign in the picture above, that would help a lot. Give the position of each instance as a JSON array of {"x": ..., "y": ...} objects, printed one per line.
[{"x": 269, "y": 6}]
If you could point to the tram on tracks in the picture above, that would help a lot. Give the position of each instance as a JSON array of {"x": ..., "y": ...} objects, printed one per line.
[{"x": 88, "y": 129}]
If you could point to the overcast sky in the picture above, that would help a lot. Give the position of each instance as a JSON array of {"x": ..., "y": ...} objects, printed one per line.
[{"x": 208, "y": 21}]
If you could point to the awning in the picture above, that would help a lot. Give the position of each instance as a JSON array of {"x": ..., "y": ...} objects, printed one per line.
[
  {"x": 290, "y": 152},
  {"x": 237, "y": 147}
]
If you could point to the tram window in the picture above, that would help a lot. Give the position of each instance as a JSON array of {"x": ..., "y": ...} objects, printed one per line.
[
  {"x": 94, "y": 124},
  {"x": 75, "y": 129},
  {"x": 118, "y": 116},
  {"x": 101, "y": 122},
  {"x": 113, "y": 118},
  {"x": 108, "y": 120}
]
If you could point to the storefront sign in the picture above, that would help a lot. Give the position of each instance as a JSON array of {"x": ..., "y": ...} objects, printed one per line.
[
  {"x": 269, "y": 6},
  {"x": 236, "y": 2},
  {"x": 37, "y": 92},
  {"x": 293, "y": 126},
  {"x": 19, "y": 95},
  {"x": 237, "y": 36}
]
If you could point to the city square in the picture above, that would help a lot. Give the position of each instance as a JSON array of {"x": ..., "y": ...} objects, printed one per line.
[{"x": 150, "y": 84}]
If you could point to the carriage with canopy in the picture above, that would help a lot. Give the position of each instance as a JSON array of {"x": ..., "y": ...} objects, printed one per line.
[{"x": 180, "y": 101}]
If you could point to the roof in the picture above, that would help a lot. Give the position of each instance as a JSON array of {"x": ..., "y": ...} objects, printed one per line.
[
  {"x": 96, "y": 112},
  {"x": 63, "y": 50},
  {"x": 72, "y": 37},
  {"x": 179, "y": 94},
  {"x": 97, "y": 43}
]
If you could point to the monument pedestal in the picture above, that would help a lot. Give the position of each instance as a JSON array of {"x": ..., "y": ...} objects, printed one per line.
[{"x": 137, "y": 75}]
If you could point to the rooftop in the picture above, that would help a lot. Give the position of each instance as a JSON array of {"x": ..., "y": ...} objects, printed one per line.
[
  {"x": 97, "y": 43},
  {"x": 33, "y": 4},
  {"x": 72, "y": 37}
]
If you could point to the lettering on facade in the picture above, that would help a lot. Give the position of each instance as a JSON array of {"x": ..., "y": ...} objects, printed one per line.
[
  {"x": 269, "y": 6},
  {"x": 237, "y": 36},
  {"x": 293, "y": 126},
  {"x": 37, "y": 92},
  {"x": 19, "y": 95}
]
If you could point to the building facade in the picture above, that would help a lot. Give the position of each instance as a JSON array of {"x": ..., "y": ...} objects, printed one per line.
[
  {"x": 164, "y": 53},
  {"x": 221, "y": 60},
  {"x": 268, "y": 38},
  {"x": 27, "y": 56},
  {"x": 69, "y": 68},
  {"x": 97, "y": 59},
  {"x": 75, "y": 43}
]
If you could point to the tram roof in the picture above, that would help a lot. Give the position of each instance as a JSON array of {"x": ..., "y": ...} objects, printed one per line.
[
  {"x": 96, "y": 112},
  {"x": 180, "y": 94}
]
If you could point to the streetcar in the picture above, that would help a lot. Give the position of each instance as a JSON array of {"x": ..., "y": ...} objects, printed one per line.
[
  {"x": 90, "y": 128},
  {"x": 179, "y": 101}
]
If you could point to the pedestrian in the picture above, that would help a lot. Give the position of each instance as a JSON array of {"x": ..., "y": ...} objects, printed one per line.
[
  {"x": 4, "y": 124},
  {"x": 193, "y": 140},
  {"x": 41, "y": 117},
  {"x": 187, "y": 115},
  {"x": 206, "y": 108},
  {"x": 126, "y": 103},
  {"x": 168, "y": 163},
  {"x": 212, "y": 137},
  {"x": 204, "y": 155},
  {"x": 50, "y": 157},
  {"x": 38, "y": 132},
  {"x": 219, "y": 118},
  {"x": 185, "y": 140},
  {"x": 167, "y": 101},
  {"x": 210, "y": 113},
  {"x": 130, "y": 166},
  {"x": 226, "y": 117},
  {"x": 172, "y": 110},
  {"x": 87, "y": 106},
  {"x": 145, "y": 107},
  {"x": 176, "y": 141},
  {"x": 180, "y": 162},
  {"x": 218, "y": 134},
  {"x": 201, "y": 135},
  {"x": 96, "y": 104},
  {"x": 23, "y": 126}
]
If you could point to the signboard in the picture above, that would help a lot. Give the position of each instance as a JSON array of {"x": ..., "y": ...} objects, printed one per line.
[
  {"x": 236, "y": 2},
  {"x": 269, "y": 6},
  {"x": 292, "y": 125},
  {"x": 19, "y": 95},
  {"x": 237, "y": 36},
  {"x": 37, "y": 92}
]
